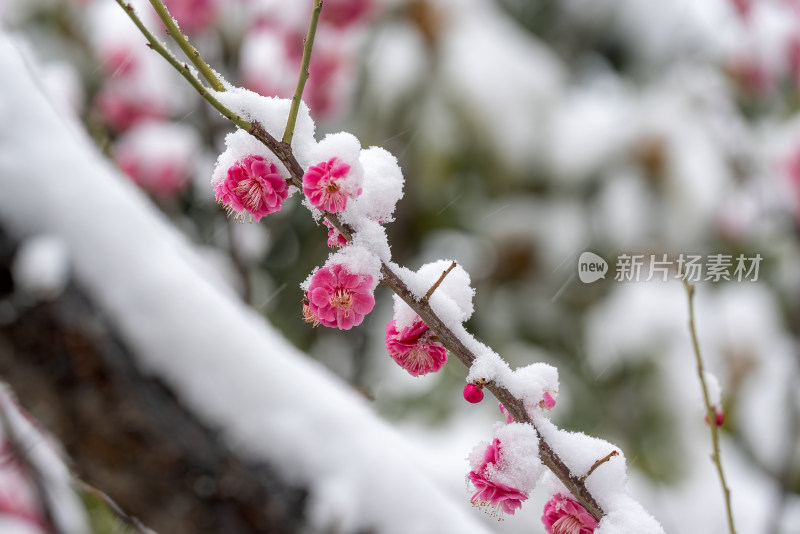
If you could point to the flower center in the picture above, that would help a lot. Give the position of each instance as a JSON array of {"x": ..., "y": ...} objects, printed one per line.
[
  {"x": 251, "y": 192},
  {"x": 342, "y": 300},
  {"x": 568, "y": 524}
]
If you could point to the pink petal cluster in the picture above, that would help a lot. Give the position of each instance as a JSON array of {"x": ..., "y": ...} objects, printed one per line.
[
  {"x": 564, "y": 515},
  {"x": 253, "y": 185},
  {"x": 338, "y": 298},
  {"x": 327, "y": 186},
  {"x": 547, "y": 401},
  {"x": 414, "y": 349},
  {"x": 335, "y": 239},
  {"x": 493, "y": 494}
]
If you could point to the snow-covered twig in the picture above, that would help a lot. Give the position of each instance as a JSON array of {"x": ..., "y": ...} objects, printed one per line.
[
  {"x": 711, "y": 410},
  {"x": 390, "y": 278}
]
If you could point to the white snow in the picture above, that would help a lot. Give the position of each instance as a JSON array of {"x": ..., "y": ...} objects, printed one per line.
[
  {"x": 41, "y": 266},
  {"x": 224, "y": 361}
]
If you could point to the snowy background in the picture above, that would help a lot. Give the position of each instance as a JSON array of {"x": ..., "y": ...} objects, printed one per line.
[{"x": 528, "y": 132}]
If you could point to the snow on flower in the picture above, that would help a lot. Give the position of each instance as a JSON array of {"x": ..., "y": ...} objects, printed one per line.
[
  {"x": 326, "y": 185},
  {"x": 252, "y": 185},
  {"x": 564, "y": 515},
  {"x": 414, "y": 348},
  {"x": 339, "y": 298},
  {"x": 492, "y": 494},
  {"x": 335, "y": 239},
  {"x": 505, "y": 470}
]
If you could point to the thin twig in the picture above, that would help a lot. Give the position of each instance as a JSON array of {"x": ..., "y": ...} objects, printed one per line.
[
  {"x": 119, "y": 513},
  {"x": 710, "y": 411},
  {"x": 390, "y": 279},
  {"x": 308, "y": 44},
  {"x": 598, "y": 463},
  {"x": 37, "y": 479},
  {"x": 438, "y": 282},
  {"x": 183, "y": 69},
  {"x": 190, "y": 51}
]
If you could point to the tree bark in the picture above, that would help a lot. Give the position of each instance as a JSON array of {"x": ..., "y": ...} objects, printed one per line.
[{"x": 126, "y": 433}]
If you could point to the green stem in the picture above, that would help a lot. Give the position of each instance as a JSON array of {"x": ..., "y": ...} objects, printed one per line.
[
  {"x": 183, "y": 42},
  {"x": 308, "y": 44},
  {"x": 710, "y": 412},
  {"x": 183, "y": 69}
]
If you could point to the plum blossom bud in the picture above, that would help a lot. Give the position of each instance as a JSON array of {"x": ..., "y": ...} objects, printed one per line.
[{"x": 473, "y": 393}]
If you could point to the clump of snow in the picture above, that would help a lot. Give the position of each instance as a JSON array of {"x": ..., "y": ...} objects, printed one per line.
[
  {"x": 41, "y": 267},
  {"x": 372, "y": 236},
  {"x": 452, "y": 300},
  {"x": 579, "y": 453},
  {"x": 272, "y": 113},
  {"x": 520, "y": 467},
  {"x": 530, "y": 383},
  {"x": 382, "y": 188},
  {"x": 488, "y": 365},
  {"x": 626, "y": 516}
]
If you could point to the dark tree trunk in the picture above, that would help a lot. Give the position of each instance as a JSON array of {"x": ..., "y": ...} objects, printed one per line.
[{"x": 126, "y": 433}]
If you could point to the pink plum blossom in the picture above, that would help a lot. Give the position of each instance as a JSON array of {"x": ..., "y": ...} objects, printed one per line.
[
  {"x": 564, "y": 515},
  {"x": 473, "y": 393},
  {"x": 490, "y": 493},
  {"x": 253, "y": 185},
  {"x": 414, "y": 349},
  {"x": 335, "y": 239},
  {"x": 327, "y": 186},
  {"x": 339, "y": 298}
]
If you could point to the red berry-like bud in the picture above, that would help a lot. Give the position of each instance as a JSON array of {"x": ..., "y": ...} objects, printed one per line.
[
  {"x": 473, "y": 393},
  {"x": 719, "y": 417}
]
